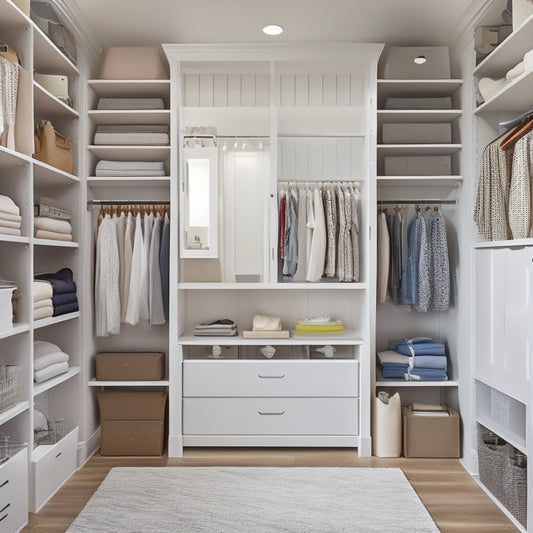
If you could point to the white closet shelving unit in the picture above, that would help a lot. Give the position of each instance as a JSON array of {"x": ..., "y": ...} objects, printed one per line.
[
  {"x": 312, "y": 109},
  {"x": 25, "y": 179},
  {"x": 395, "y": 321},
  {"x": 504, "y": 276}
]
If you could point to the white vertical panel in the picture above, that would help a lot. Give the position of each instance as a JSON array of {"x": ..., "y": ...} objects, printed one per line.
[
  {"x": 356, "y": 91},
  {"x": 330, "y": 89},
  {"x": 343, "y": 158},
  {"x": 343, "y": 89},
  {"x": 220, "y": 90},
  {"x": 191, "y": 89},
  {"x": 302, "y": 159},
  {"x": 315, "y": 90},
  {"x": 248, "y": 90},
  {"x": 287, "y": 161},
  {"x": 287, "y": 89},
  {"x": 262, "y": 90},
  {"x": 330, "y": 158},
  {"x": 357, "y": 159},
  {"x": 301, "y": 90},
  {"x": 484, "y": 327},
  {"x": 498, "y": 309},
  {"x": 234, "y": 90},
  {"x": 206, "y": 90},
  {"x": 316, "y": 159}
]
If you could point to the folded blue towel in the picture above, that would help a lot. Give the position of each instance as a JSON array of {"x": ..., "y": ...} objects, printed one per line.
[
  {"x": 62, "y": 281},
  {"x": 427, "y": 374},
  {"x": 415, "y": 347},
  {"x": 439, "y": 362},
  {"x": 393, "y": 373},
  {"x": 63, "y": 299},
  {"x": 67, "y": 308}
]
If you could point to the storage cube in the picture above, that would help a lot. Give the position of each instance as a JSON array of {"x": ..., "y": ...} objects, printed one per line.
[
  {"x": 132, "y": 63},
  {"x": 426, "y": 133},
  {"x": 415, "y": 63},
  {"x": 430, "y": 165},
  {"x": 130, "y": 366}
]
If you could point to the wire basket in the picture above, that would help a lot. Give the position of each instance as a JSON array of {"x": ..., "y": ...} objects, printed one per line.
[
  {"x": 56, "y": 430},
  {"x": 10, "y": 385},
  {"x": 9, "y": 449}
]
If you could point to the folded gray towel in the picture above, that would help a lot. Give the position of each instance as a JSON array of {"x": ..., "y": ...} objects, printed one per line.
[
  {"x": 129, "y": 173},
  {"x": 109, "y": 104},
  {"x": 130, "y": 165},
  {"x": 132, "y": 134},
  {"x": 132, "y": 128}
]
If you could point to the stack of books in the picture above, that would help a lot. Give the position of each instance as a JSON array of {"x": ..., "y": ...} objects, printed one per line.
[{"x": 223, "y": 327}]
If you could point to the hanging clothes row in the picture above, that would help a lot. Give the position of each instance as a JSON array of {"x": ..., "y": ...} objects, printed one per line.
[
  {"x": 319, "y": 231},
  {"x": 132, "y": 263},
  {"x": 412, "y": 261},
  {"x": 503, "y": 201}
]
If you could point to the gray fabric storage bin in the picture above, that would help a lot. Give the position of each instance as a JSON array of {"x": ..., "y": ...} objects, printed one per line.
[
  {"x": 423, "y": 133},
  {"x": 425, "y": 103},
  {"x": 398, "y": 63},
  {"x": 428, "y": 165}
]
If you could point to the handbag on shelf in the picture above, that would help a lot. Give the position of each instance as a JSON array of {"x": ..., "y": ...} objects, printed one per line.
[
  {"x": 53, "y": 148},
  {"x": 8, "y": 52}
]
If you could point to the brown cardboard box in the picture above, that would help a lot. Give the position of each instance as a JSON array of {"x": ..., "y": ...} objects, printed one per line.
[
  {"x": 132, "y": 422},
  {"x": 430, "y": 435},
  {"x": 130, "y": 366}
]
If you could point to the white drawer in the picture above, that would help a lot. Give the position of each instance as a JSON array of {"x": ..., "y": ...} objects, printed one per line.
[
  {"x": 270, "y": 416},
  {"x": 14, "y": 492},
  {"x": 271, "y": 378},
  {"x": 52, "y": 465}
]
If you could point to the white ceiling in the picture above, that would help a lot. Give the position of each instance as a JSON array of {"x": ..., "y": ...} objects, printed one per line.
[{"x": 148, "y": 22}]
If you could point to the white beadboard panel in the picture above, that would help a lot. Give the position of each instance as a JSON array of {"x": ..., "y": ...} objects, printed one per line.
[
  {"x": 248, "y": 90},
  {"x": 357, "y": 93},
  {"x": 343, "y": 157},
  {"x": 191, "y": 89},
  {"x": 343, "y": 90},
  {"x": 321, "y": 120},
  {"x": 234, "y": 90},
  {"x": 220, "y": 89},
  {"x": 206, "y": 90},
  {"x": 316, "y": 91},
  {"x": 316, "y": 159},
  {"x": 329, "y": 83},
  {"x": 262, "y": 90},
  {"x": 287, "y": 89},
  {"x": 301, "y": 90},
  {"x": 302, "y": 159}
]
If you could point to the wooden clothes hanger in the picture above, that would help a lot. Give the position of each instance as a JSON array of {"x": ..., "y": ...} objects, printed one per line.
[{"x": 516, "y": 133}]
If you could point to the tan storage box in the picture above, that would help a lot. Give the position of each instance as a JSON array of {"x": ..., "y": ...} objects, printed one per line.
[
  {"x": 431, "y": 435},
  {"x": 130, "y": 366},
  {"x": 132, "y": 422},
  {"x": 133, "y": 63}
]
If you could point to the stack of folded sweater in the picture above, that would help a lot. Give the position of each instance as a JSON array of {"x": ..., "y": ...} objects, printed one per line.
[
  {"x": 222, "y": 327},
  {"x": 63, "y": 293},
  {"x": 319, "y": 324},
  {"x": 48, "y": 361},
  {"x": 132, "y": 134},
  {"x": 10, "y": 219},
  {"x": 424, "y": 358},
  {"x": 51, "y": 222},
  {"x": 43, "y": 306},
  {"x": 110, "y": 169}
]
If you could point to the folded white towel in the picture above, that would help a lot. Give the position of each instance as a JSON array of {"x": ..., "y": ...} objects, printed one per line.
[
  {"x": 50, "y": 359},
  {"x": 41, "y": 348},
  {"x": 4, "y": 215},
  {"x": 6, "y": 223},
  {"x": 42, "y": 234},
  {"x": 10, "y": 231},
  {"x": 43, "y": 303},
  {"x": 8, "y": 205},
  {"x": 52, "y": 224},
  {"x": 43, "y": 312},
  {"x": 489, "y": 87},
  {"x": 42, "y": 290},
  {"x": 515, "y": 71},
  {"x": 266, "y": 323},
  {"x": 50, "y": 372}
]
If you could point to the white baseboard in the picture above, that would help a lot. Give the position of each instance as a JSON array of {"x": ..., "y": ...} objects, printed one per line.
[{"x": 86, "y": 449}]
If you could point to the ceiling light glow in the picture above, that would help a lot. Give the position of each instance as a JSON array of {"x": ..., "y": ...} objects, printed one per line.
[{"x": 273, "y": 29}]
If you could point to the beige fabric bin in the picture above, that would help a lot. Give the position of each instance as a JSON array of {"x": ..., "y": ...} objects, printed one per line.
[
  {"x": 398, "y": 62},
  {"x": 430, "y": 133},
  {"x": 133, "y": 63},
  {"x": 429, "y": 165}
]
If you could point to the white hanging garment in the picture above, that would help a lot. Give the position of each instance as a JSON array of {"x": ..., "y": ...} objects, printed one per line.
[
  {"x": 317, "y": 253},
  {"x": 310, "y": 225},
  {"x": 9, "y": 75},
  {"x": 144, "y": 309},
  {"x": 106, "y": 292},
  {"x": 302, "y": 225},
  {"x": 128, "y": 255},
  {"x": 157, "y": 311},
  {"x": 138, "y": 270},
  {"x": 120, "y": 224}
]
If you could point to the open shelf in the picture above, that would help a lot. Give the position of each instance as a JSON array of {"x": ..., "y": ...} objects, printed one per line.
[
  {"x": 381, "y": 382},
  {"x": 39, "y": 388},
  {"x": 131, "y": 153},
  {"x": 131, "y": 88},
  {"x": 47, "y": 104},
  {"x": 137, "y": 181},
  {"x": 269, "y": 286},
  {"x": 11, "y": 158},
  {"x": 14, "y": 411},
  {"x": 48, "y": 59},
  {"x": 43, "y": 322},
  {"x": 45, "y": 175},
  {"x": 514, "y": 97},
  {"x": 417, "y": 149},
  {"x": 58, "y": 244},
  {"x": 418, "y": 180},
  {"x": 432, "y": 88},
  {"x": 14, "y": 238},
  {"x": 505, "y": 244},
  {"x": 161, "y": 383},
  {"x": 130, "y": 117},
  {"x": 15, "y": 330},
  {"x": 418, "y": 116}
]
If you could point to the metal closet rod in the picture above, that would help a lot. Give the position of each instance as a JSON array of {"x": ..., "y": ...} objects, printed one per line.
[
  {"x": 440, "y": 202},
  {"x": 325, "y": 182},
  {"x": 126, "y": 202}
]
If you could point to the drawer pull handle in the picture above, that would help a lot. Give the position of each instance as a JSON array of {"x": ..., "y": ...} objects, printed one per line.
[
  {"x": 60, "y": 453},
  {"x": 2, "y": 510},
  {"x": 4, "y": 517},
  {"x": 265, "y": 413},
  {"x": 270, "y": 377},
  {"x": 4, "y": 483}
]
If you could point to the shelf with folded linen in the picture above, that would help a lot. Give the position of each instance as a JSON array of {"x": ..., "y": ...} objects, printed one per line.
[
  {"x": 110, "y": 172},
  {"x": 47, "y": 228},
  {"x": 10, "y": 218},
  {"x": 153, "y": 88},
  {"x": 54, "y": 294},
  {"x": 51, "y": 366},
  {"x": 45, "y": 175},
  {"x": 124, "y": 116}
]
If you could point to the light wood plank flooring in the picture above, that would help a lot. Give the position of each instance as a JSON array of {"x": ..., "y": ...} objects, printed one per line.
[{"x": 455, "y": 501}]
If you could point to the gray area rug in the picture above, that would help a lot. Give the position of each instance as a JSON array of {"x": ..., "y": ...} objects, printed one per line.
[{"x": 254, "y": 500}]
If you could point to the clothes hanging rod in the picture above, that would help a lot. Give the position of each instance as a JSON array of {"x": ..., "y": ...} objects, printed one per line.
[
  {"x": 325, "y": 182},
  {"x": 404, "y": 202},
  {"x": 203, "y": 136},
  {"x": 90, "y": 203}
]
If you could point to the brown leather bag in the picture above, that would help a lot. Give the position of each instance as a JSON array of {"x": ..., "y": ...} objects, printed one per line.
[{"x": 53, "y": 148}]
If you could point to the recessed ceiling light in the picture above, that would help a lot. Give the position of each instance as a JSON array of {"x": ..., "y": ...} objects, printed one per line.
[{"x": 273, "y": 29}]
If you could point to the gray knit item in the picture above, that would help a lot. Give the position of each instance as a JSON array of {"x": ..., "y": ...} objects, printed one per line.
[{"x": 440, "y": 266}]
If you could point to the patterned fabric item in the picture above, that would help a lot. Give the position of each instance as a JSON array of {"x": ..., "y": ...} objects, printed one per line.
[
  {"x": 341, "y": 241},
  {"x": 355, "y": 234},
  {"x": 331, "y": 226},
  {"x": 9, "y": 76},
  {"x": 395, "y": 277},
  {"x": 348, "y": 252},
  {"x": 423, "y": 286},
  {"x": 383, "y": 260},
  {"x": 290, "y": 261},
  {"x": 440, "y": 265}
]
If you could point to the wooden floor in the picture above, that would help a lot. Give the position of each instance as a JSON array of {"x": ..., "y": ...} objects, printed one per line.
[{"x": 455, "y": 501}]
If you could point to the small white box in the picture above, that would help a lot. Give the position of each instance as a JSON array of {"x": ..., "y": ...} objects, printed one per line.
[
  {"x": 6, "y": 308},
  {"x": 55, "y": 84}
]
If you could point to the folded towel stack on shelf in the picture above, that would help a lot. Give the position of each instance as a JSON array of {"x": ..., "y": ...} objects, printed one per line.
[
  {"x": 54, "y": 294},
  {"x": 114, "y": 169},
  {"x": 417, "y": 359},
  {"x": 132, "y": 134},
  {"x": 51, "y": 222},
  {"x": 10, "y": 219},
  {"x": 266, "y": 327},
  {"x": 130, "y": 104},
  {"x": 223, "y": 327},
  {"x": 48, "y": 361},
  {"x": 321, "y": 324}
]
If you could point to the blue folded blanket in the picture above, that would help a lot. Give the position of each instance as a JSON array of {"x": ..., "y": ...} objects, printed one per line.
[
  {"x": 427, "y": 374},
  {"x": 63, "y": 299},
  {"x": 67, "y": 308},
  {"x": 393, "y": 371},
  {"x": 415, "y": 347},
  {"x": 62, "y": 281},
  {"x": 439, "y": 362}
]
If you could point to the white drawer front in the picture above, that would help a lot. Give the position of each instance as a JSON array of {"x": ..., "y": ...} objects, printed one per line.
[
  {"x": 270, "y": 416},
  {"x": 14, "y": 492},
  {"x": 53, "y": 467},
  {"x": 271, "y": 378}
]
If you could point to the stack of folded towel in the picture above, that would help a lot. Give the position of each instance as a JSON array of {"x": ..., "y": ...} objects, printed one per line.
[
  {"x": 418, "y": 359},
  {"x": 222, "y": 327},
  {"x": 10, "y": 219},
  {"x": 319, "y": 324},
  {"x": 266, "y": 327},
  {"x": 110, "y": 169},
  {"x": 132, "y": 134},
  {"x": 51, "y": 222},
  {"x": 60, "y": 295},
  {"x": 129, "y": 104},
  {"x": 48, "y": 361}
]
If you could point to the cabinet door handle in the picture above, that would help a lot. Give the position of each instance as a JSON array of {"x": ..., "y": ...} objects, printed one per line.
[
  {"x": 265, "y": 413},
  {"x": 4, "y": 483},
  {"x": 270, "y": 377},
  {"x": 4, "y": 517},
  {"x": 59, "y": 454},
  {"x": 2, "y": 510}
]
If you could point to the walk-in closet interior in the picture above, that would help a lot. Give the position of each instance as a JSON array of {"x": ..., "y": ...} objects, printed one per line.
[{"x": 255, "y": 218}]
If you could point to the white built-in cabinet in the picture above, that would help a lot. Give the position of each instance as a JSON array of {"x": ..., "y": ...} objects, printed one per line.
[
  {"x": 503, "y": 273},
  {"x": 309, "y": 113},
  {"x": 25, "y": 179}
]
